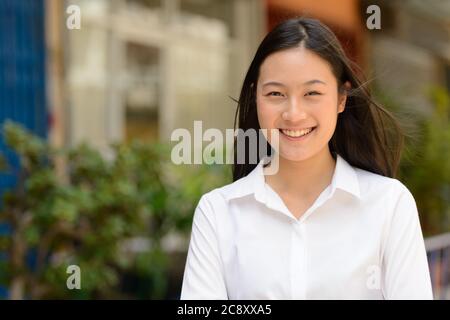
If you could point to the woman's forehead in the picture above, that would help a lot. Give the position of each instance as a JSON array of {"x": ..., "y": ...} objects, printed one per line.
[{"x": 296, "y": 65}]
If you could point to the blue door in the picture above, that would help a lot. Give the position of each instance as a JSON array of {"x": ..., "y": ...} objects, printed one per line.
[
  {"x": 22, "y": 71},
  {"x": 22, "y": 77}
]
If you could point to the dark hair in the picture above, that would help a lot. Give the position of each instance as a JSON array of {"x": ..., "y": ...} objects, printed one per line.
[{"x": 367, "y": 136}]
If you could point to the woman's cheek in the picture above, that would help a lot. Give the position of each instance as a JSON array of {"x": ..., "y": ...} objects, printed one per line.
[
  {"x": 327, "y": 118},
  {"x": 266, "y": 115}
]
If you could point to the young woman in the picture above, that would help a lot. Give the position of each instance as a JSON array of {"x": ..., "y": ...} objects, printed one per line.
[{"x": 332, "y": 222}]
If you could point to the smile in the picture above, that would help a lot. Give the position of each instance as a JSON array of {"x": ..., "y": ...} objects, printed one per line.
[{"x": 297, "y": 133}]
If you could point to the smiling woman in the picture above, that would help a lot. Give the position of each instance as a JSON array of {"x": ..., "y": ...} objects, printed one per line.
[
  {"x": 291, "y": 99},
  {"x": 333, "y": 213}
]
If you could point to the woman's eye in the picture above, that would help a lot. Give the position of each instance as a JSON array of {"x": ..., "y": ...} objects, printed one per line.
[
  {"x": 275, "y": 94},
  {"x": 313, "y": 93}
]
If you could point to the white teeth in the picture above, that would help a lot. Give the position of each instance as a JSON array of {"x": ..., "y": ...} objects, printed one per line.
[{"x": 296, "y": 133}]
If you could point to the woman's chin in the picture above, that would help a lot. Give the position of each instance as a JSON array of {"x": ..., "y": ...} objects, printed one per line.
[{"x": 294, "y": 155}]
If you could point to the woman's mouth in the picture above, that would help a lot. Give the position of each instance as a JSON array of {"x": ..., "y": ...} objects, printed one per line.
[{"x": 297, "y": 134}]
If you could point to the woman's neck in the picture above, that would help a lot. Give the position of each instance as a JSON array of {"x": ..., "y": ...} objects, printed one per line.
[{"x": 305, "y": 178}]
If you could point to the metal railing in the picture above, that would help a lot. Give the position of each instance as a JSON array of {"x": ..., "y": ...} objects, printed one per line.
[{"x": 438, "y": 253}]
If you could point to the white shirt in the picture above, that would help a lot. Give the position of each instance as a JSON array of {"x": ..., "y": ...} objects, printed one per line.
[{"x": 361, "y": 239}]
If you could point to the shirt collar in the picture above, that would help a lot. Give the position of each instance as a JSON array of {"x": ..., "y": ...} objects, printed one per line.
[{"x": 344, "y": 178}]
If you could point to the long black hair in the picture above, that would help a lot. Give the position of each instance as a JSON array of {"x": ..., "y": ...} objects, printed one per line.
[{"x": 367, "y": 135}]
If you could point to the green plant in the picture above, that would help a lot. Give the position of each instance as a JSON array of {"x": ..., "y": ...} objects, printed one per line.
[
  {"x": 425, "y": 165},
  {"x": 426, "y": 169},
  {"x": 86, "y": 216}
]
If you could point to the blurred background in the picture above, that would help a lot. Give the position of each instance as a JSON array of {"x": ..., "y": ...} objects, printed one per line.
[{"x": 86, "y": 116}]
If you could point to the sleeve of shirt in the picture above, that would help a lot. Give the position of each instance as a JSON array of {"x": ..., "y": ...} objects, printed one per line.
[
  {"x": 203, "y": 276},
  {"x": 405, "y": 266}
]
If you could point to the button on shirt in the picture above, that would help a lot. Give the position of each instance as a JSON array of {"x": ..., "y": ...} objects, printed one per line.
[{"x": 360, "y": 239}]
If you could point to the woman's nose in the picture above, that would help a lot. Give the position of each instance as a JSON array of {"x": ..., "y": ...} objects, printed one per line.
[{"x": 294, "y": 111}]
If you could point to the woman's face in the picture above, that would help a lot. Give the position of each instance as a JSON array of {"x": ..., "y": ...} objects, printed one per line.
[{"x": 297, "y": 92}]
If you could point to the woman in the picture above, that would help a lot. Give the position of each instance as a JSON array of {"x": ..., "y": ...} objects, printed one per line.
[{"x": 332, "y": 222}]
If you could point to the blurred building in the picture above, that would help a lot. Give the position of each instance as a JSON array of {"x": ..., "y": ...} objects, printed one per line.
[
  {"x": 411, "y": 51},
  {"x": 141, "y": 68}
]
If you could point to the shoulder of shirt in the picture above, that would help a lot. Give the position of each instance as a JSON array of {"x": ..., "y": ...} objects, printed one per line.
[
  {"x": 221, "y": 195},
  {"x": 389, "y": 193},
  {"x": 371, "y": 182}
]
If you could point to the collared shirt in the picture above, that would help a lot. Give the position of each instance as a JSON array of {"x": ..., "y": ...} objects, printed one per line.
[{"x": 360, "y": 239}]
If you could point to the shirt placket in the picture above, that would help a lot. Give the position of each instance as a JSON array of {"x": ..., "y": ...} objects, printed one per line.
[{"x": 298, "y": 260}]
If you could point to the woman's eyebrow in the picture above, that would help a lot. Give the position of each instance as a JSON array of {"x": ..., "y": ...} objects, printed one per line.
[
  {"x": 273, "y": 83},
  {"x": 279, "y": 84},
  {"x": 313, "y": 82}
]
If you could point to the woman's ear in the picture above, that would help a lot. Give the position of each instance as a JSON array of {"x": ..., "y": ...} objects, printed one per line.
[{"x": 343, "y": 96}]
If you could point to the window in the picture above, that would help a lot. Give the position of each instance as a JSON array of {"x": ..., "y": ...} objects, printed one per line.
[{"x": 141, "y": 92}]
